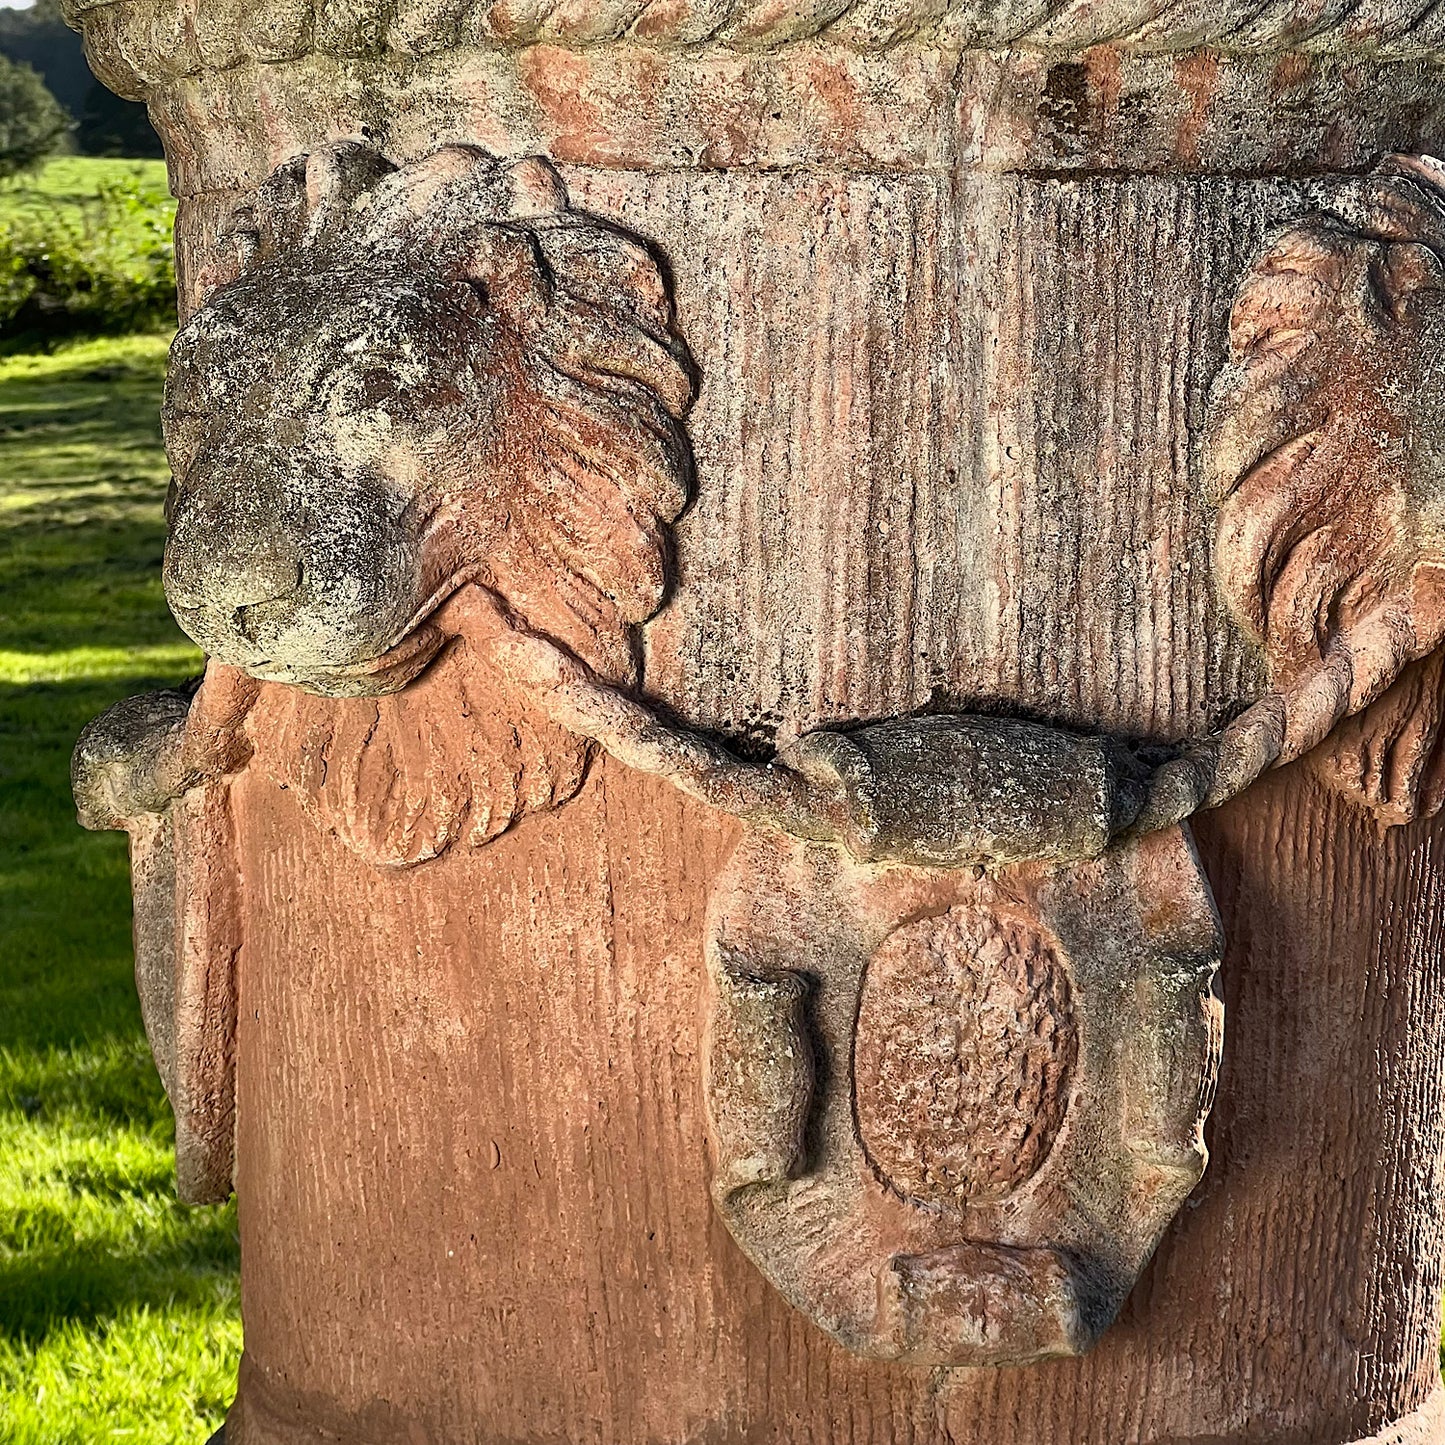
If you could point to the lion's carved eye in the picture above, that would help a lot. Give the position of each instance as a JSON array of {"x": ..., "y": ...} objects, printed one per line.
[
  {"x": 501, "y": 379},
  {"x": 358, "y": 390},
  {"x": 374, "y": 387}
]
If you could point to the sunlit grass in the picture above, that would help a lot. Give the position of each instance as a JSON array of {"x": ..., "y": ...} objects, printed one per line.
[
  {"x": 118, "y": 1310},
  {"x": 75, "y": 663},
  {"x": 85, "y": 1384},
  {"x": 70, "y": 182}
]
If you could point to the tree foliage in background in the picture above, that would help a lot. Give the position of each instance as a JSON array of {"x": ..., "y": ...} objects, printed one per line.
[
  {"x": 110, "y": 126},
  {"x": 85, "y": 250},
  {"x": 106, "y": 125},
  {"x": 32, "y": 122},
  {"x": 39, "y": 37}
]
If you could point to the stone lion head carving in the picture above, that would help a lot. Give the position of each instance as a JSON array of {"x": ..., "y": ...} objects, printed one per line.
[
  {"x": 1326, "y": 457},
  {"x": 423, "y": 380}
]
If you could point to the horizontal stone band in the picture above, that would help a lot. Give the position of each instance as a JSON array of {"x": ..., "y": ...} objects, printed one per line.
[{"x": 188, "y": 36}]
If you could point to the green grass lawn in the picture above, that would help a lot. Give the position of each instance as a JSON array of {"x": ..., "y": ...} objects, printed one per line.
[{"x": 118, "y": 1306}]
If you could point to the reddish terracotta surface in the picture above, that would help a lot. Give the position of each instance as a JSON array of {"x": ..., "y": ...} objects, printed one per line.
[
  {"x": 543, "y": 1262},
  {"x": 987, "y": 1122},
  {"x": 1323, "y": 447},
  {"x": 959, "y": 289},
  {"x": 961, "y": 1141}
]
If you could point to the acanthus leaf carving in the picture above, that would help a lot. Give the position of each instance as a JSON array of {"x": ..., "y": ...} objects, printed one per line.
[{"x": 397, "y": 781}]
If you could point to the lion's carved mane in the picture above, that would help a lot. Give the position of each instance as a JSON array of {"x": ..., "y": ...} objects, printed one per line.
[
  {"x": 577, "y": 477},
  {"x": 1326, "y": 457}
]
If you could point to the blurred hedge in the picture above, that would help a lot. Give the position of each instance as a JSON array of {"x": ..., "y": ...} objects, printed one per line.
[{"x": 102, "y": 266}]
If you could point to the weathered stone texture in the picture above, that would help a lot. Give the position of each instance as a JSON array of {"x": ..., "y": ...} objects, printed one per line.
[
  {"x": 963, "y": 1056},
  {"x": 978, "y": 360},
  {"x": 556, "y": 988},
  {"x": 508, "y": 964}
]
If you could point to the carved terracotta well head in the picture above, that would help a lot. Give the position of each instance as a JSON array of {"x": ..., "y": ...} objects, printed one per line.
[{"x": 1067, "y": 456}]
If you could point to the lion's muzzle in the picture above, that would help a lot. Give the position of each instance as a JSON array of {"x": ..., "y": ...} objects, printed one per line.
[{"x": 291, "y": 569}]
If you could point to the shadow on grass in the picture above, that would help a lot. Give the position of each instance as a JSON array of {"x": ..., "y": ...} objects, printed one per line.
[
  {"x": 117, "y": 1304},
  {"x": 101, "y": 1086},
  {"x": 82, "y": 482},
  {"x": 92, "y": 1281},
  {"x": 67, "y": 366},
  {"x": 89, "y": 1228},
  {"x": 91, "y": 578}
]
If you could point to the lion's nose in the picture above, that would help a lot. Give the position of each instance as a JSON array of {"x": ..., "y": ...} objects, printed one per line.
[
  {"x": 287, "y": 563},
  {"x": 229, "y": 575}
]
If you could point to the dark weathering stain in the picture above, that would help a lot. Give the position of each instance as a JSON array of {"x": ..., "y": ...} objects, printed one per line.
[{"x": 1064, "y": 108}]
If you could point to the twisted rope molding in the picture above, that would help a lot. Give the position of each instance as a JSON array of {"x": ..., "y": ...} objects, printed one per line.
[{"x": 185, "y": 37}]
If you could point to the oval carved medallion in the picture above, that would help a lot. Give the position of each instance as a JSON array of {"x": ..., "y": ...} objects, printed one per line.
[{"x": 963, "y": 1056}]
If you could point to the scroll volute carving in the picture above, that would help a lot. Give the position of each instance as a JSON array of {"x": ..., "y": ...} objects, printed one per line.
[{"x": 1327, "y": 457}]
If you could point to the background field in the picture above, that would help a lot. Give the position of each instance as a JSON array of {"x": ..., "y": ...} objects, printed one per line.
[
  {"x": 85, "y": 250},
  {"x": 75, "y": 186},
  {"x": 118, "y": 1306}
]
